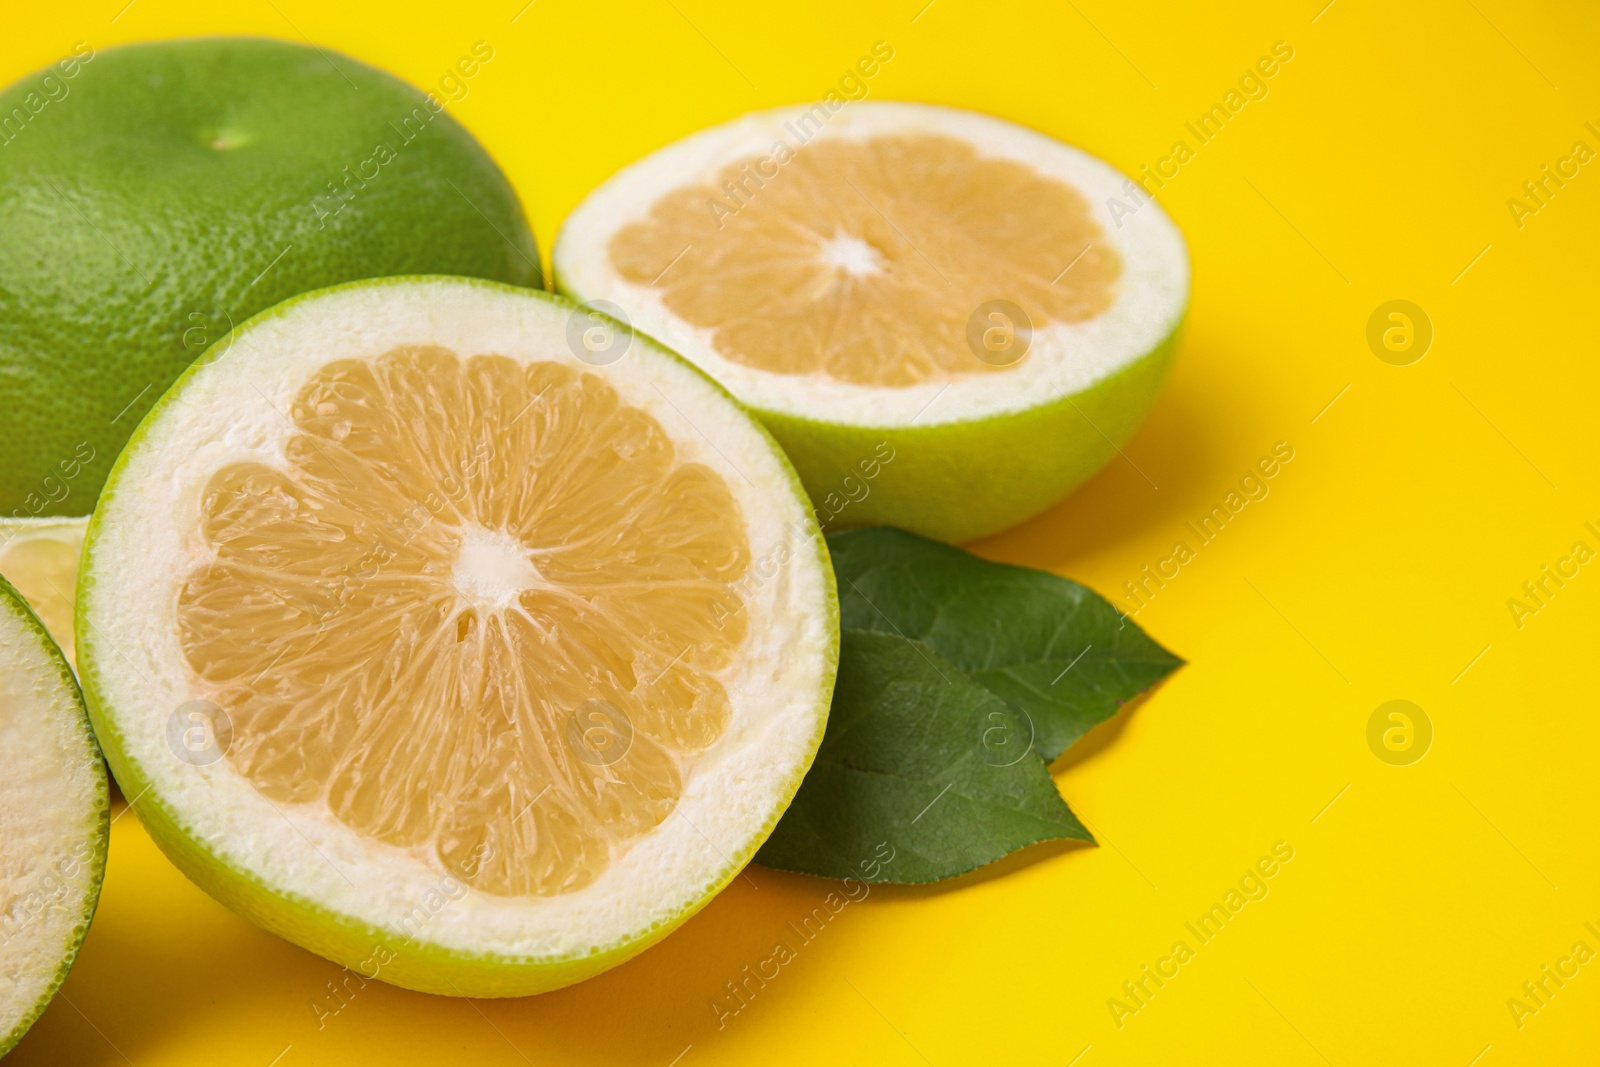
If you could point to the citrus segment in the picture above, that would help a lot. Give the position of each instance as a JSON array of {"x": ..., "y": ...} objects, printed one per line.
[
  {"x": 861, "y": 260},
  {"x": 515, "y": 555},
  {"x": 415, "y": 627},
  {"x": 39, "y": 557}
]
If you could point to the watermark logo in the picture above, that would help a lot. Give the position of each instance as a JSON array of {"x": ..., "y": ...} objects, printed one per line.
[
  {"x": 1252, "y": 887},
  {"x": 199, "y": 733},
  {"x": 1538, "y": 191},
  {"x": 743, "y": 988},
  {"x": 741, "y": 187},
  {"x": 1007, "y": 737},
  {"x": 30, "y": 99},
  {"x": 1399, "y": 333},
  {"x": 599, "y": 333},
  {"x": 999, "y": 333},
  {"x": 53, "y": 488},
  {"x": 599, "y": 733},
  {"x": 207, "y": 335},
  {"x": 1399, "y": 733}
]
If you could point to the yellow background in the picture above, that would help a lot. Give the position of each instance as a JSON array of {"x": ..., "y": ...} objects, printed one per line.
[{"x": 1379, "y": 568}]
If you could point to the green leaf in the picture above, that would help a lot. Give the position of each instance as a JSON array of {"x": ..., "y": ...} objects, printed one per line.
[
  {"x": 1055, "y": 651},
  {"x": 921, "y": 759}
]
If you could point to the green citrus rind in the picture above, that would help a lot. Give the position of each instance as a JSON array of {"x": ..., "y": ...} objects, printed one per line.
[
  {"x": 959, "y": 481},
  {"x": 163, "y": 192}
]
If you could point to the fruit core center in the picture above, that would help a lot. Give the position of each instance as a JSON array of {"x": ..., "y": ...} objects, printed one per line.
[
  {"x": 849, "y": 253},
  {"x": 492, "y": 569}
]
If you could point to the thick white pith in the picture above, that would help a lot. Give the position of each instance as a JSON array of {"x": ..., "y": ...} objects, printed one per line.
[
  {"x": 1063, "y": 358},
  {"x": 235, "y": 410},
  {"x": 52, "y": 798}
]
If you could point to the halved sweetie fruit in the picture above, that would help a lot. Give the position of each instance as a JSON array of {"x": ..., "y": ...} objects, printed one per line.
[
  {"x": 449, "y": 645},
  {"x": 947, "y": 320},
  {"x": 54, "y": 818}
]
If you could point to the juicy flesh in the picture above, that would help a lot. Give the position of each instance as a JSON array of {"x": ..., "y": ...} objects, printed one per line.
[
  {"x": 864, "y": 260},
  {"x": 44, "y": 570},
  {"x": 479, "y": 614}
]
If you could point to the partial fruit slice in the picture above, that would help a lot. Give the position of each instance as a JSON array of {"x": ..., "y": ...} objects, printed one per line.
[
  {"x": 947, "y": 320},
  {"x": 40, "y": 558},
  {"x": 446, "y": 653},
  {"x": 54, "y": 818}
]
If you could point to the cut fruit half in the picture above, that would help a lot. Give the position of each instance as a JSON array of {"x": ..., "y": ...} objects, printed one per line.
[
  {"x": 445, "y": 652},
  {"x": 54, "y": 818},
  {"x": 40, "y": 558},
  {"x": 947, "y": 320}
]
